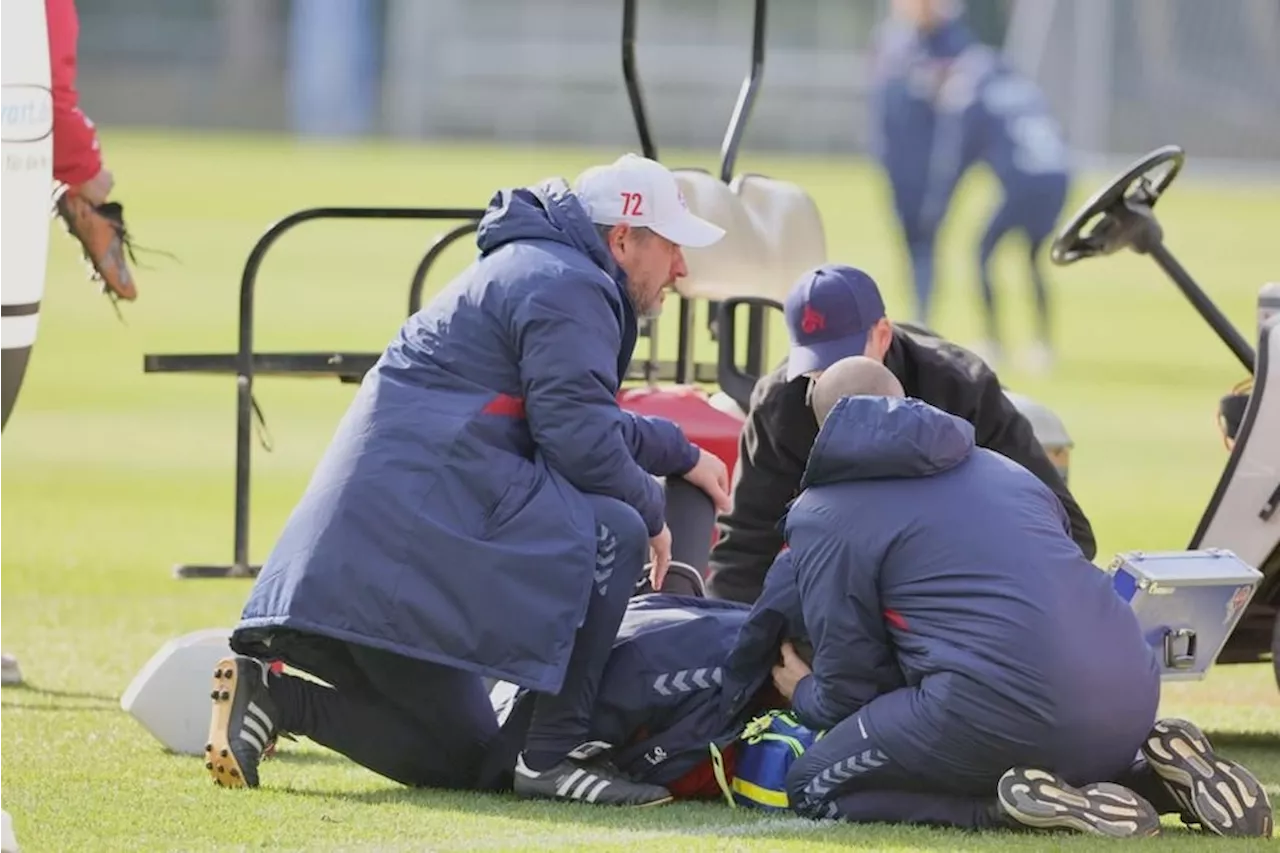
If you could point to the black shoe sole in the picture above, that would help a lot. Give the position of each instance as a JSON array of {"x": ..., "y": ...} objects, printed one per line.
[
  {"x": 1041, "y": 800},
  {"x": 220, "y": 759},
  {"x": 1222, "y": 795}
]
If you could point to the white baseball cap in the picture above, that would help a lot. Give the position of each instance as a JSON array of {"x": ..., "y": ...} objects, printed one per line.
[{"x": 643, "y": 193}]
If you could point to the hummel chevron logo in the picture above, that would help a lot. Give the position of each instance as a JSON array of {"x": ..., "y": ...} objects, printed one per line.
[
  {"x": 842, "y": 771},
  {"x": 686, "y": 680}
]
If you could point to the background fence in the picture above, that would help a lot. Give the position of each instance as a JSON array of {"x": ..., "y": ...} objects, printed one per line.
[{"x": 1123, "y": 75}]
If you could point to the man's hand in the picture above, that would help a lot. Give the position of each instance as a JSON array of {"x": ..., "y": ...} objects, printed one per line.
[
  {"x": 660, "y": 545},
  {"x": 787, "y": 674},
  {"x": 710, "y": 475},
  {"x": 96, "y": 189}
]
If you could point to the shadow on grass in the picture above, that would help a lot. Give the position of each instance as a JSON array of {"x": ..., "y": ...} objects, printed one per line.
[
  {"x": 32, "y": 690},
  {"x": 309, "y": 757},
  {"x": 64, "y": 707},
  {"x": 1267, "y": 741}
]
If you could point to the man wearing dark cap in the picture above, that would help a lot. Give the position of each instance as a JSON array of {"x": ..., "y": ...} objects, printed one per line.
[{"x": 835, "y": 311}]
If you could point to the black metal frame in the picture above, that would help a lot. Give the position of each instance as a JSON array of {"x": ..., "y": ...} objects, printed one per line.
[
  {"x": 1129, "y": 221},
  {"x": 350, "y": 367},
  {"x": 246, "y": 364}
]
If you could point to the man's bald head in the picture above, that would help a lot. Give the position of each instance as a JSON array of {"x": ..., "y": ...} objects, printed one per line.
[{"x": 852, "y": 377}]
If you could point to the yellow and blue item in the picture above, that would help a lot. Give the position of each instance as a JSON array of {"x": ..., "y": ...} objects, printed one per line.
[{"x": 766, "y": 749}]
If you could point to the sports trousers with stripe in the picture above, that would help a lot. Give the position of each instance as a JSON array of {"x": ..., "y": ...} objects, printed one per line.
[
  {"x": 849, "y": 774},
  {"x": 422, "y": 724}
]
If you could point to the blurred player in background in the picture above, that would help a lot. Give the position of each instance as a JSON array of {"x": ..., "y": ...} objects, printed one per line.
[
  {"x": 980, "y": 111},
  {"x": 78, "y": 163},
  {"x": 904, "y": 80}
]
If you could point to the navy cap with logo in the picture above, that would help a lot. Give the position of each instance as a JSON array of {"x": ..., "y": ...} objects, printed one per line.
[{"x": 830, "y": 312}]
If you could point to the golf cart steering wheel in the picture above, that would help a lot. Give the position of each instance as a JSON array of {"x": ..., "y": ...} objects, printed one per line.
[{"x": 1140, "y": 186}]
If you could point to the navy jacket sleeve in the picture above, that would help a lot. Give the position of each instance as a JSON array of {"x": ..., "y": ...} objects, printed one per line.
[
  {"x": 839, "y": 591},
  {"x": 775, "y": 616},
  {"x": 957, "y": 126},
  {"x": 568, "y": 339},
  {"x": 658, "y": 445}
]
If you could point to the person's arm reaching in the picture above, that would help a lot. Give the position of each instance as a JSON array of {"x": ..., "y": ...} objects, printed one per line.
[
  {"x": 852, "y": 658},
  {"x": 776, "y": 616},
  {"x": 658, "y": 445},
  {"x": 568, "y": 339},
  {"x": 77, "y": 157},
  {"x": 766, "y": 479}
]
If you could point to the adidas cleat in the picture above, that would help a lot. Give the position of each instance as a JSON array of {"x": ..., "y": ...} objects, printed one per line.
[
  {"x": 585, "y": 777},
  {"x": 1219, "y": 794},
  {"x": 1042, "y": 800},
  {"x": 242, "y": 725}
]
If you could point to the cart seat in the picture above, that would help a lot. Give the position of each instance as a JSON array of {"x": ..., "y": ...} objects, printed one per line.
[{"x": 773, "y": 233}]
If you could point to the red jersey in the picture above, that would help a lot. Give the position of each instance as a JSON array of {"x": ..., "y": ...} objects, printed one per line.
[{"x": 76, "y": 155}]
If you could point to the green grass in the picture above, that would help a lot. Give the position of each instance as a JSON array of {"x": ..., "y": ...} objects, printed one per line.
[{"x": 112, "y": 476}]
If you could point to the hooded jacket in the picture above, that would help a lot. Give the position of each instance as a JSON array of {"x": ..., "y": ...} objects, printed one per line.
[
  {"x": 921, "y": 559},
  {"x": 448, "y": 519},
  {"x": 780, "y": 431}
]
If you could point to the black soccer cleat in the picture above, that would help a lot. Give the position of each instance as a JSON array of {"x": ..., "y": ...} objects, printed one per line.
[
  {"x": 586, "y": 777},
  {"x": 1042, "y": 800},
  {"x": 242, "y": 725},
  {"x": 1219, "y": 794}
]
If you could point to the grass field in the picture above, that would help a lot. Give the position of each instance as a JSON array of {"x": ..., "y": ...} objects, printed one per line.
[{"x": 111, "y": 476}]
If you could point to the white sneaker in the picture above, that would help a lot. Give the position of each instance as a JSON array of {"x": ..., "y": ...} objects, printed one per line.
[
  {"x": 10, "y": 673},
  {"x": 8, "y": 843}
]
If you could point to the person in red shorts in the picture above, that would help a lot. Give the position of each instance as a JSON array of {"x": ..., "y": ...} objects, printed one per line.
[{"x": 85, "y": 183}]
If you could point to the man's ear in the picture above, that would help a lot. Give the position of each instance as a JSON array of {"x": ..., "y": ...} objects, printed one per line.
[{"x": 881, "y": 337}]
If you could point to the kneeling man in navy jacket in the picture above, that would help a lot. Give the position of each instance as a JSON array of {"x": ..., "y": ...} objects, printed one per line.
[{"x": 965, "y": 651}]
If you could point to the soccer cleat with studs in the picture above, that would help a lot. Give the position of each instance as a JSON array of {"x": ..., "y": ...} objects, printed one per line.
[
  {"x": 1038, "y": 799},
  {"x": 102, "y": 234},
  {"x": 1219, "y": 794},
  {"x": 242, "y": 724}
]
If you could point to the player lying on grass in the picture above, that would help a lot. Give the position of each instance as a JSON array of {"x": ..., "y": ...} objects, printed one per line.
[
  {"x": 685, "y": 673},
  {"x": 485, "y": 507},
  {"x": 669, "y": 689},
  {"x": 963, "y": 645},
  {"x": 833, "y": 312}
]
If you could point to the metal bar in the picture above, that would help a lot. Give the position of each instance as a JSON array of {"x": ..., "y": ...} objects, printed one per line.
[
  {"x": 307, "y": 364},
  {"x": 433, "y": 254},
  {"x": 756, "y": 334},
  {"x": 746, "y": 97},
  {"x": 1210, "y": 312},
  {"x": 632, "y": 78},
  {"x": 244, "y": 355},
  {"x": 684, "y": 358}
]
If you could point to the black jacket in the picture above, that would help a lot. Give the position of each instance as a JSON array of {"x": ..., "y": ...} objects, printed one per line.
[{"x": 780, "y": 431}]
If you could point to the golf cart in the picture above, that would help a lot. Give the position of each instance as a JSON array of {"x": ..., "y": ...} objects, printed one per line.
[
  {"x": 1243, "y": 515},
  {"x": 774, "y": 233}
]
